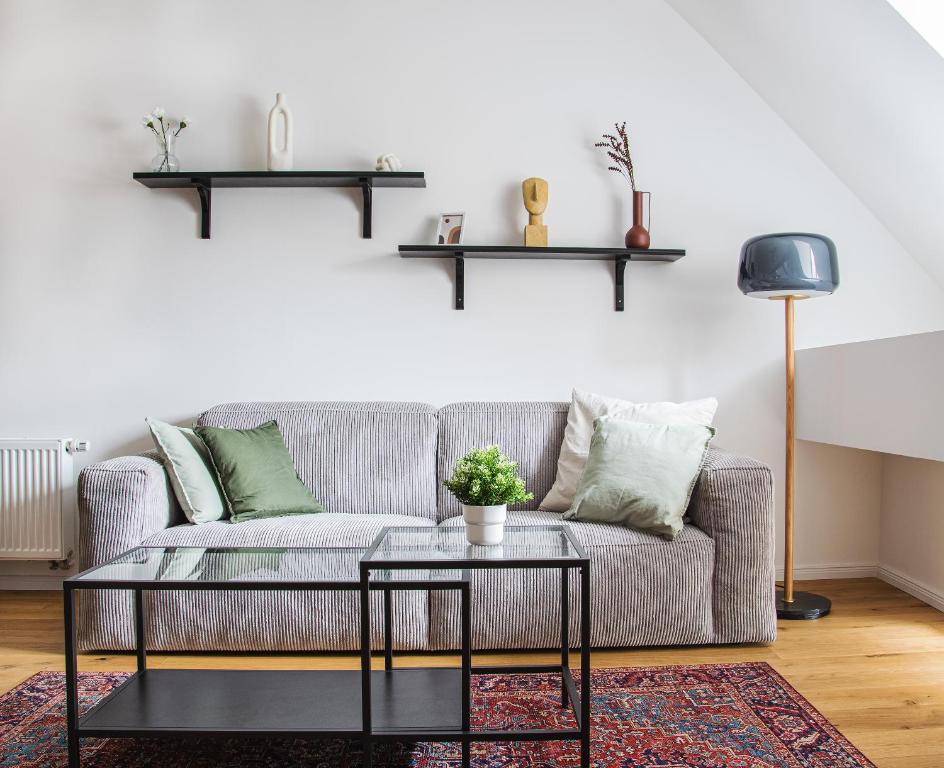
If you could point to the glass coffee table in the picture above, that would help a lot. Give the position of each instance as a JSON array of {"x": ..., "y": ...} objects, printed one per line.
[
  {"x": 408, "y": 704},
  {"x": 405, "y": 551}
]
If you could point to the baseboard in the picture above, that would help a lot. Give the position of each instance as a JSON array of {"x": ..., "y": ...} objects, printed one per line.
[
  {"x": 914, "y": 588},
  {"x": 50, "y": 582},
  {"x": 837, "y": 571}
]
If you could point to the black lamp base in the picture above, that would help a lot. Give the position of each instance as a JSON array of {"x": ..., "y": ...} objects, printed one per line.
[{"x": 805, "y": 605}]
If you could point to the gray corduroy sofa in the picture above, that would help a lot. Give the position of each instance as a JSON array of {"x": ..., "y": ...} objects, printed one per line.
[{"x": 382, "y": 464}]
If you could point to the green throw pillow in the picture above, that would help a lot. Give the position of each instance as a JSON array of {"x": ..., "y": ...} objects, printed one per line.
[
  {"x": 190, "y": 470},
  {"x": 256, "y": 473},
  {"x": 640, "y": 475}
]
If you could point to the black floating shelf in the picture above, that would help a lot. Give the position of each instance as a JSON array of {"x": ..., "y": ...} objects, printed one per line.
[
  {"x": 205, "y": 181},
  {"x": 619, "y": 257}
]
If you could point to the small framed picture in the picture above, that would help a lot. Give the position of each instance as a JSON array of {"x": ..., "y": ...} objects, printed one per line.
[{"x": 450, "y": 230}]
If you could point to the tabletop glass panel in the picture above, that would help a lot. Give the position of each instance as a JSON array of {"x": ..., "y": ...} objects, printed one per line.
[
  {"x": 337, "y": 565},
  {"x": 530, "y": 542}
]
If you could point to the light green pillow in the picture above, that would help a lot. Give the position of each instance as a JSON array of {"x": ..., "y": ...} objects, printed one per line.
[
  {"x": 256, "y": 473},
  {"x": 190, "y": 470},
  {"x": 640, "y": 475}
]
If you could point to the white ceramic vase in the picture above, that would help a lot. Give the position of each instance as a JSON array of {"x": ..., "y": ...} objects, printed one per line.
[
  {"x": 281, "y": 158},
  {"x": 484, "y": 525}
]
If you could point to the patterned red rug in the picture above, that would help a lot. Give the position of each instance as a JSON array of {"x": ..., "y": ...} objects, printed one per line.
[{"x": 712, "y": 716}]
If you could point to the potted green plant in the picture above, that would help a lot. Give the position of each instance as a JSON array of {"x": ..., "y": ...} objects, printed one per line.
[{"x": 485, "y": 482}]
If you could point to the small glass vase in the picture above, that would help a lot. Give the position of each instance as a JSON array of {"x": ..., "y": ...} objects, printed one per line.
[{"x": 165, "y": 161}]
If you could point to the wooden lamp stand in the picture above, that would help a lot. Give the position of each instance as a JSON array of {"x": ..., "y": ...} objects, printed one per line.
[{"x": 792, "y": 604}]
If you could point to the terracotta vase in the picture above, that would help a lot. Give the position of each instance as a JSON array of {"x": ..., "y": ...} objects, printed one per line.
[{"x": 638, "y": 235}]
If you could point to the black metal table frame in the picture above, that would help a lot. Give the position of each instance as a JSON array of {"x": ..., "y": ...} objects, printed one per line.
[
  {"x": 74, "y": 730},
  {"x": 466, "y": 736}
]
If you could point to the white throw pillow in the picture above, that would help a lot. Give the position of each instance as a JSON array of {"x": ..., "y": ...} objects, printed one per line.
[
  {"x": 586, "y": 408},
  {"x": 190, "y": 470}
]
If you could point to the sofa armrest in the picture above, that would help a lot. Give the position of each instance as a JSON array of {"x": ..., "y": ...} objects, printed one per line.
[
  {"x": 121, "y": 502},
  {"x": 733, "y": 503}
]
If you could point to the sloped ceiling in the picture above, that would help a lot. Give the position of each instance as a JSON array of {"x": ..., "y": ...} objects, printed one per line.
[{"x": 860, "y": 87}]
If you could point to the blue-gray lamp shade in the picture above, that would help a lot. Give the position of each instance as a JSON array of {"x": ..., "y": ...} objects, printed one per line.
[{"x": 796, "y": 264}]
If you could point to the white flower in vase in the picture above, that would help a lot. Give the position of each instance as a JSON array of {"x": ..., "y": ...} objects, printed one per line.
[{"x": 165, "y": 130}]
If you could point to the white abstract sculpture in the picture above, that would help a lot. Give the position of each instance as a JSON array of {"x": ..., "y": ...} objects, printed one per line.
[
  {"x": 388, "y": 163},
  {"x": 280, "y": 158}
]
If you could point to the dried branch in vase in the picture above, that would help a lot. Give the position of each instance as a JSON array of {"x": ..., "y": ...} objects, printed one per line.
[{"x": 617, "y": 149}]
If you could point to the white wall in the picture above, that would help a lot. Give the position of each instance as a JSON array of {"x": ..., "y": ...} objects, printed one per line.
[
  {"x": 838, "y": 509},
  {"x": 912, "y": 532},
  {"x": 112, "y": 308},
  {"x": 882, "y": 395},
  {"x": 860, "y": 87}
]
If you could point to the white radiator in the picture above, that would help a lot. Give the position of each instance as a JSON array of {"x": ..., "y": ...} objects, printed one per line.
[{"x": 37, "y": 499}]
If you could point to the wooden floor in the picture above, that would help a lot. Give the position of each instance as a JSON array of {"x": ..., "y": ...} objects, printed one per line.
[{"x": 875, "y": 667}]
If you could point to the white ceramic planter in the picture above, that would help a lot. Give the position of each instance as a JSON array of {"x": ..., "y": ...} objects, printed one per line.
[{"x": 484, "y": 525}]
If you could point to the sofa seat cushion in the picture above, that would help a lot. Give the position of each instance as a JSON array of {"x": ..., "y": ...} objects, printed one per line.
[
  {"x": 602, "y": 534},
  {"x": 325, "y": 529},
  {"x": 277, "y": 620},
  {"x": 644, "y": 591}
]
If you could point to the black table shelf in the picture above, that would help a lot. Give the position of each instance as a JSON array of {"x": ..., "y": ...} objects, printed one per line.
[
  {"x": 619, "y": 256},
  {"x": 205, "y": 181},
  {"x": 277, "y": 702}
]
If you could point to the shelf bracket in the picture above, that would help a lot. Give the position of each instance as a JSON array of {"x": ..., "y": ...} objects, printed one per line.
[
  {"x": 203, "y": 187},
  {"x": 620, "y": 282},
  {"x": 367, "y": 188},
  {"x": 460, "y": 281}
]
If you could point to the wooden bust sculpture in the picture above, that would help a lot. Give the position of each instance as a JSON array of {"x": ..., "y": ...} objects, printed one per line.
[{"x": 534, "y": 192}]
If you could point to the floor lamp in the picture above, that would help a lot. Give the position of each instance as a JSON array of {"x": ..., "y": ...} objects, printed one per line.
[{"x": 787, "y": 267}]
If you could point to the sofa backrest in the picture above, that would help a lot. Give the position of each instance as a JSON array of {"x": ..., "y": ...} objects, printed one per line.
[
  {"x": 365, "y": 458},
  {"x": 529, "y": 432}
]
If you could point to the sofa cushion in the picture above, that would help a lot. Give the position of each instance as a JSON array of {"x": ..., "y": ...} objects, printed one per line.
[
  {"x": 282, "y": 620},
  {"x": 591, "y": 535},
  {"x": 585, "y": 409},
  {"x": 640, "y": 475},
  {"x": 644, "y": 591},
  {"x": 529, "y": 433},
  {"x": 364, "y": 458},
  {"x": 190, "y": 471},
  {"x": 256, "y": 473},
  {"x": 326, "y": 529}
]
